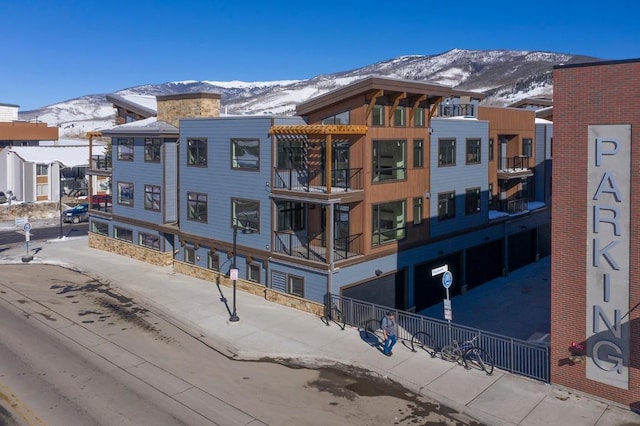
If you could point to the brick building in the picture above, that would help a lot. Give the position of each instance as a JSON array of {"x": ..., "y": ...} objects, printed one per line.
[{"x": 596, "y": 220}]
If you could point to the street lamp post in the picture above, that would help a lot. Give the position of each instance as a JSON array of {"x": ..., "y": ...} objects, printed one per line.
[
  {"x": 234, "y": 270},
  {"x": 234, "y": 275}
]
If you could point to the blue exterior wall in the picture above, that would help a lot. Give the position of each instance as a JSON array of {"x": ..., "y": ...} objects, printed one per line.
[
  {"x": 170, "y": 164},
  {"x": 542, "y": 182},
  {"x": 460, "y": 177}
]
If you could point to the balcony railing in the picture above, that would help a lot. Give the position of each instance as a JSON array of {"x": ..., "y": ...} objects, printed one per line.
[
  {"x": 313, "y": 248},
  {"x": 515, "y": 206},
  {"x": 315, "y": 180},
  {"x": 459, "y": 110},
  {"x": 100, "y": 162},
  {"x": 516, "y": 163}
]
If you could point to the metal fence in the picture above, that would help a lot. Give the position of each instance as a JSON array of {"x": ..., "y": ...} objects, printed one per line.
[{"x": 509, "y": 354}]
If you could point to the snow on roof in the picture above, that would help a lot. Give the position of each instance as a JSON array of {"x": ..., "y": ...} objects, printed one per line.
[
  {"x": 147, "y": 101},
  {"x": 69, "y": 156},
  {"x": 543, "y": 121}
]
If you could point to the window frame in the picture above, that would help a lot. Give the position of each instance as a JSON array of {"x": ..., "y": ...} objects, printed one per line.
[
  {"x": 123, "y": 143},
  {"x": 97, "y": 227},
  {"x": 196, "y": 215},
  {"x": 141, "y": 240},
  {"x": 400, "y": 117},
  {"x": 418, "y": 210},
  {"x": 300, "y": 280},
  {"x": 418, "y": 117},
  {"x": 156, "y": 190},
  {"x": 337, "y": 118},
  {"x": 450, "y": 204},
  {"x": 254, "y": 267},
  {"x": 254, "y": 225},
  {"x": 378, "y": 171},
  {"x": 472, "y": 205},
  {"x": 527, "y": 147},
  {"x": 378, "y": 233},
  {"x": 446, "y": 151},
  {"x": 189, "y": 255},
  {"x": 418, "y": 153},
  {"x": 152, "y": 150},
  {"x": 377, "y": 111},
  {"x": 120, "y": 199},
  {"x": 235, "y": 163},
  {"x": 40, "y": 167},
  {"x": 213, "y": 261},
  {"x": 199, "y": 156},
  {"x": 117, "y": 230},
  {"x": 491, "y": 148},
  {"x": 291, "y": 213},
  {"x": 476, "y": 151}
]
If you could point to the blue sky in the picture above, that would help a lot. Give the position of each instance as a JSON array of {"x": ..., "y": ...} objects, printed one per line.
[{"x": 52, "y": 51}]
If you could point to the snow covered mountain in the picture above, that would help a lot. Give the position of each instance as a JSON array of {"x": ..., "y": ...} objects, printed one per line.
[{"x": 505, "y": 76}]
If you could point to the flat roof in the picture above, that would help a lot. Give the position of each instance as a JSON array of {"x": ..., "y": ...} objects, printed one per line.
[{"x": 598, "y": 63}]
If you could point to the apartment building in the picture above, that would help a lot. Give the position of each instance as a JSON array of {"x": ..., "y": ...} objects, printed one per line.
[{"x": 362, "y": 193}]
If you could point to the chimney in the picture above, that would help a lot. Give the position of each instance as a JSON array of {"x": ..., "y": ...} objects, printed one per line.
[{"x": 171, "y": 108}]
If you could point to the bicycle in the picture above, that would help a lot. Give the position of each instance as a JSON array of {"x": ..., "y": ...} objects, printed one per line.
[
  {"x": 472, "y": 356},
  {"x": 335, "y": 315},
  {"x": 423, "y": 341}
]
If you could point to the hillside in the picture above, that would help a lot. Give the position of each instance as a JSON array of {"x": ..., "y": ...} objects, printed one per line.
[{"x": 505, "y": 76}]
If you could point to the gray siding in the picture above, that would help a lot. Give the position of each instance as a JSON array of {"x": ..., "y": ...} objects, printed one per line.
[
  {"x": 140, "y": 173},
  {"x": 460, "y": 177},
  {"x": 544, "y": 135},
  {"x": 170, "y": 197}
]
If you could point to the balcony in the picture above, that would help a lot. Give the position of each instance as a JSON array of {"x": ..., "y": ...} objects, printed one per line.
[
  {"x": 100, "y": 165},
  {"x": 459, "y": 110},
  {"x": 514, "y": 167},
  {"x": 314, "y": 181},
  {"x": 314, "y": 249}
]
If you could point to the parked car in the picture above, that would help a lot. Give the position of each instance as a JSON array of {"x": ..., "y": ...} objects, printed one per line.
[
  {"x": 3, "y": 198},
  {"x": 77, "y": 214}
]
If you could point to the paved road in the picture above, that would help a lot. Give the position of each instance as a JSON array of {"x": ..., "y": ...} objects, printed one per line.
[{"x": 82, "y": 352}]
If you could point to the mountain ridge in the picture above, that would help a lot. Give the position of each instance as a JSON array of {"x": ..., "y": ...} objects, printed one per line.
[{"x": 504, "y": 76}]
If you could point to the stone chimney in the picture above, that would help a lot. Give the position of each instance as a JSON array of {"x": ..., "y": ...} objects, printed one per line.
[{"x": 171, "y": 108}]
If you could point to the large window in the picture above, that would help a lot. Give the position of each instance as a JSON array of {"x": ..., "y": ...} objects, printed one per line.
[
  {"x": 197, "y": 152},
  {"x": 472, "y": 201},
  {"x": 473, "y": 151},
  {"x": 377, "y": 115},
  {"x": 152, "y": 150},
  {"x": 245, "y": 154},
  {"x": 446, "y": 205},
  {"x": 149, "y": 240},
  {"x": 152, "y": 197},
  {"x": 418, "y": 119},
  {"x": 125, "y": 193},
  {"x": 417, "y": 211},
  {"x": 245, "y": 214},
  {"x": 42, "y": 189},
  {"x": 125, "y": 149},
  {"x": 388, "y": 222},
  {"x": 389, "y": 160},
  {"x": 342, "y": 118},
  {"x": 197, "y": 206},
  {"x": 399, "y": 119},
  {"x": 290, "y": 154},
  {"x": 527, "y": 147},
  {"x": 295, "y": 285},
  {"x": 290, "y": 216},
  {"x": 123, "y": 234},
  {"x": 446, "y": 152},
  {"x": 418, "y": 153}
]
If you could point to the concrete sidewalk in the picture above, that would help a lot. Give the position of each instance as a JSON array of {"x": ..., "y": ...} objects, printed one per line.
[{"x": 269, "y": 330}]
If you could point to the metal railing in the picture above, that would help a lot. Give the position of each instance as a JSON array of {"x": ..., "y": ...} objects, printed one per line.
[
  {"x": 509, "y": 354},
  {"x": 100, "y": 162},
  {"x": 515, "y": 206},
  {"x": 518, "y": 162},
  {"x": 315, "y": 180},
  {"x": 458, "y": 110},
  {"x": 313, "y": 248}
]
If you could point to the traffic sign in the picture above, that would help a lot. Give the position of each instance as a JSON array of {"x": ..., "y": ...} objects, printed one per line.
[
  {"x": 439, "y": 270},
  {"x": 447, "y": 279},
  {"x": 26, "y": 227},
  {"x": 448, "y": 314}
]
